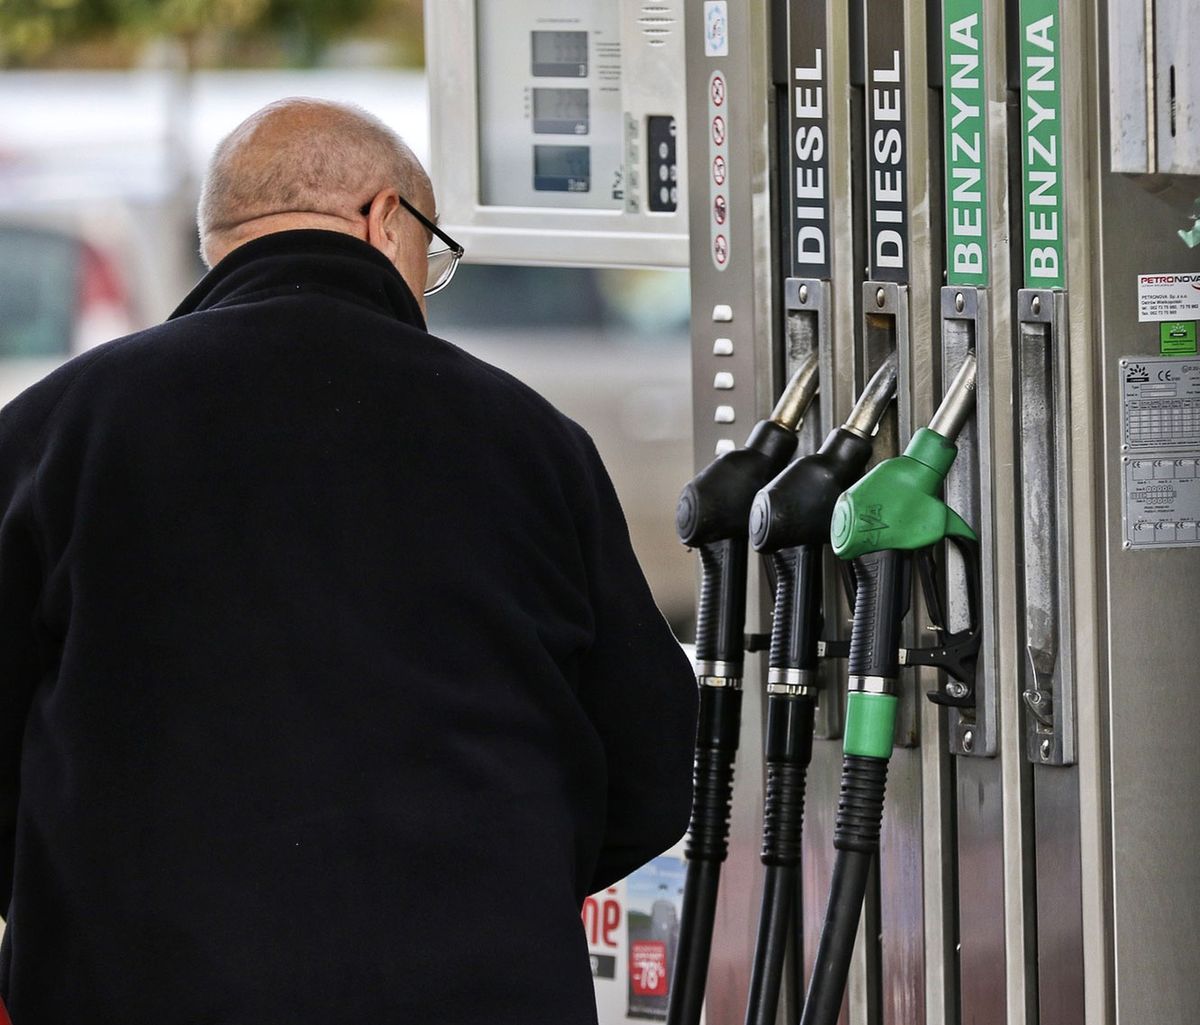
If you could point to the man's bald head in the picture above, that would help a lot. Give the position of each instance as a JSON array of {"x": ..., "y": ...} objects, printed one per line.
[{"x": 302, "y": 163}]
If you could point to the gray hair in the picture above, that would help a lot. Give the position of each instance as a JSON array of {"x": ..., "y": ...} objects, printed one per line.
[{"x": 301, "y": 155}]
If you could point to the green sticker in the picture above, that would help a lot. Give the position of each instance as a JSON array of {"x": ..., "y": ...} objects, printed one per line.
[
  {"x": 1177, "y": 338},
  {"x": 966, "y": 146},
  {"x": 1042, "y": 138}
]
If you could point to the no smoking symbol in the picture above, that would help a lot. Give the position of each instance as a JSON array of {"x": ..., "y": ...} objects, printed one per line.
[
  {"x": 720, "y": 250},
  {"x": 719, "y": 169},
  {"x": 718, "y": 90},
  {"x": 718, "y": 130}
]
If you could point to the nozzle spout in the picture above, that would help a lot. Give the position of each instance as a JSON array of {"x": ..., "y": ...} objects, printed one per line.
[
  {"x": 956, "y": 407},
  {"x": 873, "y": 401},
  {"x": 798, "y": 394}
]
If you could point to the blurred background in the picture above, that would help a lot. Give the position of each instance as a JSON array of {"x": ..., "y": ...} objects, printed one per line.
[{"x": 108, "y": 112}]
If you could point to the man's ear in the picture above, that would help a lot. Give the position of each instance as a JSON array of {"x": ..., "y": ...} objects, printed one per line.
[{"x": 382, "y": 230}]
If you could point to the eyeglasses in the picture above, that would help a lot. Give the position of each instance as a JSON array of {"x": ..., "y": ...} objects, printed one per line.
[{"x": 442, "y": 262}]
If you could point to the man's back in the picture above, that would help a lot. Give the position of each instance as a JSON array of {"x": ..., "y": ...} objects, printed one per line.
[{"x": 344, "y": 688}]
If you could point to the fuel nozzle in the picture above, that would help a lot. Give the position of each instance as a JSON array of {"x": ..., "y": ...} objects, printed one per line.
[
  {"x": 881, "y": 522},
  {"x": 795, "y": 508},
  {"x": 714, "y": 504},
  {"x": 712, "y": 514},
  {"x": 895, "y": 506},
  {"x": 789, "y": 521}
]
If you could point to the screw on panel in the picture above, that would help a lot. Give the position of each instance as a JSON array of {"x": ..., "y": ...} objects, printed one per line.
[
  {"x": 1127, "y": 545},
  {"x": 1047, "y": 750},
  {"x": 880, "y": 298},
  {"x": 956, "y": 689},
  {"x": 968, "y": 741},
  {"x": 960, "y": 303},
  {"x": 804, "y": 294},
  {"x": 1036, "y": 305}
]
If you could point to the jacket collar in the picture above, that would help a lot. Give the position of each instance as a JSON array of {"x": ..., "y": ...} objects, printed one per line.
[{"x": 305, "y": 259}]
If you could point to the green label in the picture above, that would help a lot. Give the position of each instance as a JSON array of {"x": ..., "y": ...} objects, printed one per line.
[
  {"x": 1042, "y": 161},
  {"x": 966, "y": 146},
  {"x": 1177, "y": 338}
]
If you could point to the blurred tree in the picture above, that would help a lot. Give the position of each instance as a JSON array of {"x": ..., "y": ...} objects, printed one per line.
[{"x": 31, "y": 31}]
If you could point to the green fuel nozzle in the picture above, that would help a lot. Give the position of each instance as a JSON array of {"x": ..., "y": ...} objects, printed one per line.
[
  {"x": 880, "y": 522},
  {"x": 883, "y": 522}
]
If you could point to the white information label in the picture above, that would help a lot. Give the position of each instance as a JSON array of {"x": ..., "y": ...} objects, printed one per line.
[
  {"x": 1169, "y": 296},
  {"x": 716, "y": 28},
  {"x": 1160, "y": 470}
]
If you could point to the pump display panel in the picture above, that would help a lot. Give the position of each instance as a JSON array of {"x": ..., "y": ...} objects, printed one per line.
[{"x": 556, "y": 128}]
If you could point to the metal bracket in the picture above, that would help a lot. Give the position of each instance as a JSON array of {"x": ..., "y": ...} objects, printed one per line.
[
  {"x": 974, "y": 730},
  {"x": 807, "y": 325},
  {"x": 885, "y": 329},
  {"x": 1043, "y": 381}
]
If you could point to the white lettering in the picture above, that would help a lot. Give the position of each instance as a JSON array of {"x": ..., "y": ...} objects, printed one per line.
[
  {"x": 1038, "y": 33},
  {"x": 962, "y": 111},
  {"x": 889, "y": 249},
  {"x": 968, "y": 258},
  {"x": 967, "y": 188},
  {"x": 960, "y": 31},
  {"x": 1043, "y": 263}
]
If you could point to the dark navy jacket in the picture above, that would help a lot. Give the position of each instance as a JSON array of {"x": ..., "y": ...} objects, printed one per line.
[{"x": 329, "y": 684}]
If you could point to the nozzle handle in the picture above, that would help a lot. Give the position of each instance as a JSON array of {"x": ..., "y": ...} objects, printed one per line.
[
  {"x": 798, "y": 622},
  {"x": 880, "y": 603},
  {"x": 721, "y": 612}
]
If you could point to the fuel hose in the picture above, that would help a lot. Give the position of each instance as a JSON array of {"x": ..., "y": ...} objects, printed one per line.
[
  {"x": 789, "y": 521},
  {"x": 879, "y": 522},
  {"x": 712, "y": 516}
]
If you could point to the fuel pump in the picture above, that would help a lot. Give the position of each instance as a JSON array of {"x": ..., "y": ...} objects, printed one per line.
[
  {"x": 713, "y": 513},
  {"x": 880, "y": 523},
  {"x": 789, "y": 521}
]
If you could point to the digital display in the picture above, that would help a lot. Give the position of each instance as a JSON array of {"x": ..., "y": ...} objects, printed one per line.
[
  {"x": 560, "y": 111},
  {"x": 562, "y": 168},
  {"x": 559, "y": 54}
]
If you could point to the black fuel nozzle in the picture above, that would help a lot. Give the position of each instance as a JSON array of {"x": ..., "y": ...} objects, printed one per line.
[
  {"x": 790, "y": 520},
  {"x": 712, "y": 515}
]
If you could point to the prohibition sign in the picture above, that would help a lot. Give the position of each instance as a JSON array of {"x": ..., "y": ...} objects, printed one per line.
[
  {"x": 719, "y": 169},
  {"x": 720, "y": 250},
  {"x": 718, "y": 130},
  {"x": 718, "y": 90}
]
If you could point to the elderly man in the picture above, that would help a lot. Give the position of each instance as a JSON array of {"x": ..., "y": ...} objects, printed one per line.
[{"x": 329, "y": 684}]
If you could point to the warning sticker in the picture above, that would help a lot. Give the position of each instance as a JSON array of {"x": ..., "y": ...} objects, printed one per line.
[{"x": 1169, "y": 296}]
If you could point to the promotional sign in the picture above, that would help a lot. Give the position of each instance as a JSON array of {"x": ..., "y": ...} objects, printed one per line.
[
  {"x": 632, "y": 933},
  {"x": 966, "y": 145},
  {"x": 1042, "y": 135},
  {"x": 887, "y": 143}
]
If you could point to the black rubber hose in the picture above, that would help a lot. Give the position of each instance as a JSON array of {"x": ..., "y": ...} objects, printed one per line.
[
  {"x": 788, "y": 752},
  {"x": 770, "y": 953},
  {"x": 856, "y": 837},
  {"x": 690, "y": 977},
  {"x": 707, "y": 847}
]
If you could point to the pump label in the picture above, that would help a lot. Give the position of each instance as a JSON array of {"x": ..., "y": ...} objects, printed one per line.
[
  {"x": 808, "y": 102},
  {"x": 1042, "y": 156},
  {"x": 887, "y": 141},
  {"x": 966, "y": 146},
  {"x": 1160, "y": 464},
  {"x": 1168, "y": 297}
]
